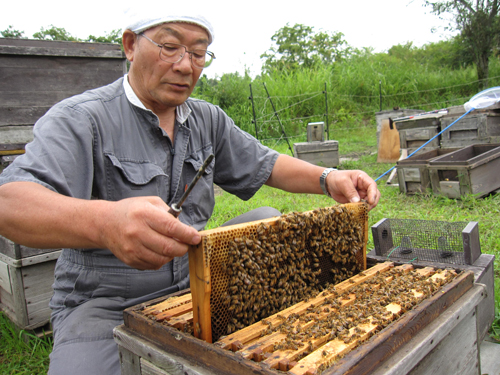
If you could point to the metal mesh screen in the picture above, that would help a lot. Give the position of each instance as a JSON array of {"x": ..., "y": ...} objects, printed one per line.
[{"x": 407, "y": 239}]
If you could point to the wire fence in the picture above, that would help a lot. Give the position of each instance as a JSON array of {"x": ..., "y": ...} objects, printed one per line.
[{"x": 268, "y": 119}]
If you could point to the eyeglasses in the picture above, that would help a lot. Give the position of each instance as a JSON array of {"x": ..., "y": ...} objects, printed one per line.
[{"x": 173, "y": 53}]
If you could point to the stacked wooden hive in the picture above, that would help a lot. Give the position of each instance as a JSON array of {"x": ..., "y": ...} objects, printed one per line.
[
  {"x": 456, "y": 163},
  {"x": 292, "y": 294}
]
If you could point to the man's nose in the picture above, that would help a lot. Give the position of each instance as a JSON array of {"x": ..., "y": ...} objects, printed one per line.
[{"x": 185, "y": 63}]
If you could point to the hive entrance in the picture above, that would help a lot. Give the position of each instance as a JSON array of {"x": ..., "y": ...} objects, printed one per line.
[{"x": 243, "y": 273}]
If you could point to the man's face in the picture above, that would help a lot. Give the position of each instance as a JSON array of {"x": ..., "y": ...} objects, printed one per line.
[{"x": 158, "y": 84}]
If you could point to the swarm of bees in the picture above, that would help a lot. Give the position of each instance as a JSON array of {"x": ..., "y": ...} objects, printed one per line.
[
  {"x": 330, "y": 321},
  {"x": 278, "y": 265}
]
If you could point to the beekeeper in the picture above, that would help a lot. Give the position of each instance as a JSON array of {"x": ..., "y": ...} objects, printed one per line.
[{"x": 105, "y": 166}]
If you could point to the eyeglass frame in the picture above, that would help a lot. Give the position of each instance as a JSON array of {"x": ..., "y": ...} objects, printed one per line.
[{"x": 211, "y": 54}]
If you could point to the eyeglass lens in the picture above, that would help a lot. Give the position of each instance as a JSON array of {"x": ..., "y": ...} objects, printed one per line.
[{"x": 173, "y": 53}]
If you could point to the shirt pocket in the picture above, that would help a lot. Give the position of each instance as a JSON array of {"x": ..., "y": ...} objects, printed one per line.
[
  {"x": 126, "y": 178},
  {"x": 200, "y": 202}
]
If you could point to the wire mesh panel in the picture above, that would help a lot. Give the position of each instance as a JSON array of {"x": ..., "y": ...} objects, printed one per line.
[{"x": 426, "y": 240}]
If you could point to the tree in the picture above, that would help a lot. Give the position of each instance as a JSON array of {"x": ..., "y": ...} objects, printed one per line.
[
  {"x": 479, "y": 28},
  {"x": 10, "y": 32},
  {"x": 447, "y": 54},
  {"x": 115, "y": 36},
  {"x": 54, "y": 33},
  {"x": 301, "y": 46}
]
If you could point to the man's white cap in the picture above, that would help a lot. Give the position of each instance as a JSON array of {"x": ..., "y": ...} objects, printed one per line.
[{"x": 144, "y": 23}]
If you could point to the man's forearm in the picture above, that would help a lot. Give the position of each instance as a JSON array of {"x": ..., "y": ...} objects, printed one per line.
[
  {"x": 295, "y": 176},
  {"x": 139, "y": 230},
  {"x": 35, "y": 216}
]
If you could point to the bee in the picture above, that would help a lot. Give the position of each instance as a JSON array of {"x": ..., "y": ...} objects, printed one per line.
[{"x": 347, "y": 339}]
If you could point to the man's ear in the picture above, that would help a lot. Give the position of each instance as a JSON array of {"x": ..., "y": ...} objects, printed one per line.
[{"x": 129, "y": 40}]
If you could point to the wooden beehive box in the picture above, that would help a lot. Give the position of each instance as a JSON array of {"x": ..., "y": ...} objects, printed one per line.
[
  {"x": 416, "y": 131},
  {"x": 350, "y": 328},
  {"x": 26, "y": 278},
  {"x": 418, "y": 241},
  {"x": 475, "y": 128},
  {"x": 413, "y": 174},
  {"x": 470, "y": 170},
  {"x": 36, "y": 74},
  {"x": 343, "y": 328},
  {"x": 324, "y": 154}
]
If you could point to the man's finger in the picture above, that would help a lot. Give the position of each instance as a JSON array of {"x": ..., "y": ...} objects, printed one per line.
[
  {"x": 367, "y": 187},
  {"x": 167, "y": 225},
  {"x": 164, "y": 246}
]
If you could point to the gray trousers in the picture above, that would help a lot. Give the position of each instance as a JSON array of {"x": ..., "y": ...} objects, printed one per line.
[{"x": 90, "y": 294}]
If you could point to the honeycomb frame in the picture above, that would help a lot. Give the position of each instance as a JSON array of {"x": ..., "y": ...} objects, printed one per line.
[{"x": 210, "y": 273}]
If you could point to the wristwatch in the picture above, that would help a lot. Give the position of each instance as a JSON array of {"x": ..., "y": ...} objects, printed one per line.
[{"x": 322, "y": 180}]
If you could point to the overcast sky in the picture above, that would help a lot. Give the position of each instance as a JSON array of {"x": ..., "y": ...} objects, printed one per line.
[{"x": 243, "y": 30}]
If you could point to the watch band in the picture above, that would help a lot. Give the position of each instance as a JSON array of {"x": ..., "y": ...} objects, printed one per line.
[{"x": 322, "y": 180}]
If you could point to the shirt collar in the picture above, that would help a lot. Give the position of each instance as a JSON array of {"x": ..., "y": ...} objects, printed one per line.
[{"x": 182, "y": 112}]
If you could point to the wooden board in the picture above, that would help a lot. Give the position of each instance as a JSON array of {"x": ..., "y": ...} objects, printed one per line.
[
  {"x": 388, "y": 148},
  {"x": 36, "y": 74}
]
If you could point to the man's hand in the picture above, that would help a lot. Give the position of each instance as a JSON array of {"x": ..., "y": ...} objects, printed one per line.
[
  {"x": 351, "y": 186},
  {"x": 139, "y": 231},
  {"x": 142, "y": 234}
]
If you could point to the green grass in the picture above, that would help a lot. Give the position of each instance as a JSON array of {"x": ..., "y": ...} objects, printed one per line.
[
  {"x": 22, "y": 352},
  {"x": 18, "y": 356},
  {"x": 495, "y": 327}
]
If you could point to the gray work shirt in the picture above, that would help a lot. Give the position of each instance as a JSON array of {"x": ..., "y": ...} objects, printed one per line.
[{"x": 104, "y": 144}]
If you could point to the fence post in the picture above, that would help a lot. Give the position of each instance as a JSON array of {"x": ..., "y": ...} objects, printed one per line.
[
  {"x": 253, "y": 111},
  {"x": 380, "y": 93},
  {"x": 326, "y": 114}
]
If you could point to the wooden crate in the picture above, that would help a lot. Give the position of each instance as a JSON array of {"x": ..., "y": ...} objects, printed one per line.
[
  {"x": 324, "y": 154},
  {"x": 416, "y": 131},
  {"x": 390, "y": 115},
  {"x": 316, "y": 132},
  {"x": 475, "y": 128},
  {"x": 26, "y": 278},
  {"x": 152, "y": 344},
  {"x": 470, "y": 170},
  {"x": 36, "y": 74},
  {"x": 413, "y": 174}
]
